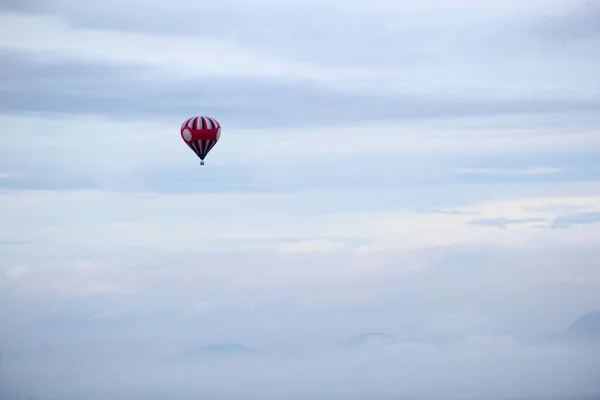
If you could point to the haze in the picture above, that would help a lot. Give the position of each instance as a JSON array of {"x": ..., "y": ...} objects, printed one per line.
[{"x": 404, "y": 202}]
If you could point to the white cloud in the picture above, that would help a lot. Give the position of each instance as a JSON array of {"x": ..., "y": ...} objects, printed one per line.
[
  {"x": 17, "y": 272},
  {"x": 312, "y": 246},
  {"x": 104, "y": 221},
  {"x": 60, "y": 282},
  {"x": 414, "y": 231},
  {"x": 5, "y": 175}
]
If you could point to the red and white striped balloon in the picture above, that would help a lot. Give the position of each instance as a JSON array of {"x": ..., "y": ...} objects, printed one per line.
[{"x": 201, "y": 134}]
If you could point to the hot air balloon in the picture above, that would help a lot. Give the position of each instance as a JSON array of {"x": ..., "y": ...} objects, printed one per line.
[{"x": 201, "y": 135}]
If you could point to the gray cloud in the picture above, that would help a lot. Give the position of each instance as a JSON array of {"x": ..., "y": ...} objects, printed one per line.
[
  {"x": 581, "y": 22},
  {"x": 294, "y": 29},
  {"x": 566, "y": 221},
  {"x": 330, "y": 32},
  {"x": 120, "y": 92},
  {"x": 21, "y": 5}
]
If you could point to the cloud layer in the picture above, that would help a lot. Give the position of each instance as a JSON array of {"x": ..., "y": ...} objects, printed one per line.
[{"x": 421, "y": 169}]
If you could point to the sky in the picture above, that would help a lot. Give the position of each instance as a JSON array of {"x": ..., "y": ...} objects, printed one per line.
[{"x": 425, "y": 169}]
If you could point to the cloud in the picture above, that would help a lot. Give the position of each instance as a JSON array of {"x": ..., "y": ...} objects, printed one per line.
[
  {"x": 143, "y": 92},
  {"x": 17, "y": 272},
  {"x": 316, "y": 245},
  {"x": 184, "y": 55},
  {"x": 148, "y": 156},
  {"x": 392, "y": 46},
  {"x": 114, "y": 222},
  {"x": 504, "y": 171},
  {"x": 504, "y": 222},
  {"x": 482, "y": 301},
  {"x": 579, "y": 23},
  {"x": 390, "y": 33},
  {"x": 461, "y": 302},
  {"x": 565, "y": 221},
  {"x": 370, "y": 151},
  {"x": 82, "y": 279},
  {"x": 435, "y": 290},
  {"x": 4, "y": 175},
  {"x": 261, "y": 220},
  {"x": 131, "y": 99}
]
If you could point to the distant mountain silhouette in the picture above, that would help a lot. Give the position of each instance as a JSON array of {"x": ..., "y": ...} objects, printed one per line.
[
  {"x": 215, "y": 351},
  {"x": 371, "y": 339},
  {"x": 585, "y": 328}
]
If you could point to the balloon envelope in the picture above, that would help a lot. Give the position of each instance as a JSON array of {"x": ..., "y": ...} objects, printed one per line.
[{"x": 201, "y": 134}]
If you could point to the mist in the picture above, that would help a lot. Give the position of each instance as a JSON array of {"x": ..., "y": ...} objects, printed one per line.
[
  {"x": 454, "y": 323},
  {"x": 488, "y": 367}
]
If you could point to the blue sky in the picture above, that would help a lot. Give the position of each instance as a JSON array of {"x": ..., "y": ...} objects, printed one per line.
[{"x": 418, "y": 168}]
